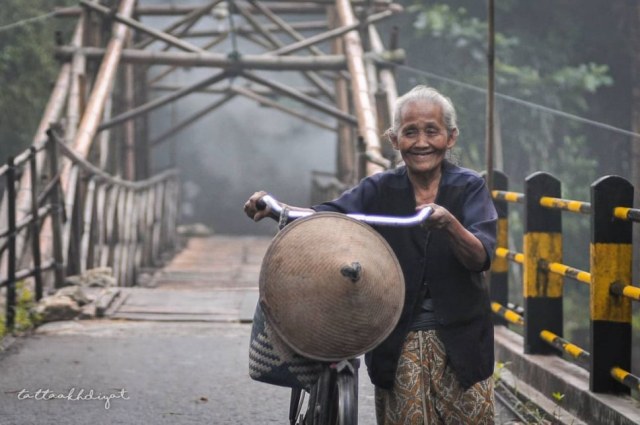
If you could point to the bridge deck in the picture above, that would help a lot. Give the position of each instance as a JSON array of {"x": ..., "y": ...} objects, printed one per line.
[{"x": 212, "y": 280}]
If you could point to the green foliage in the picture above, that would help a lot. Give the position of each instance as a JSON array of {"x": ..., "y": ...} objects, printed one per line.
[
  {"x": 543, "y": 60},
  {"x": 27, "y": 70},
  {"x": 25, "y": 318}
]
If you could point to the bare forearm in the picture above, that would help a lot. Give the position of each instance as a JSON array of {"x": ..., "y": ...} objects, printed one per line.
[{"x": 466, "y": 247}]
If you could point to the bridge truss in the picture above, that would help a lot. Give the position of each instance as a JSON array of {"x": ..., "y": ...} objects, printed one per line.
[{"x": 114, "y": 72}]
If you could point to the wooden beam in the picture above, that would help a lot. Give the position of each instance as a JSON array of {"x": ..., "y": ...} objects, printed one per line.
[
  {"x": 309, "y": 101},
  {"x": 314, "y": 78},
  {"x": 188, "y": 20},
  {"x": 282, "y": 24},
  {"x": 217, "y": 60},
  {"x": 367, "y": 126},
  {"x": 164, "y": 100},
  {"x": 195, "y": 117},
  {"x": 265, "y": 101},
  {"x": 258, "y": 90},
  {"x": 103, "y": 84},
  {"x": 183, "y": 9},
  {"x": 346, "y": 147},
  {"x": 167, "y": 38},
  {"x": 246, "y": 30},
  {"x": 172, "y": 68},
  {"x": 331, "y": 34}
]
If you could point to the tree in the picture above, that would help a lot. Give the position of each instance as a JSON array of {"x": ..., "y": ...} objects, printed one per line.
[
  {"x": 548, "y": 53},
  {"x": 27, "y": 70}
]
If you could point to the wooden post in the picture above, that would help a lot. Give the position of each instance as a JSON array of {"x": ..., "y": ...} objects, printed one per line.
[
  {"x": 35, "y": 224},
  {"x": 359, "y": 86},
  {"x": 611, "y": 260},
  {"x": 129, "y": 126},
  {"x": 542, "y": 241},
  {"x": 490, "y": 94},
  {"x": 85, "y": 246},
  {"x": 346, "y": 150},
  {"x": 362, "y": 158},
  {"x": 56, "y": 210},
  {"x": 12, "y": 254},
  {"x": 499, "y": 287},
  {"x": 99, "y": 225}
]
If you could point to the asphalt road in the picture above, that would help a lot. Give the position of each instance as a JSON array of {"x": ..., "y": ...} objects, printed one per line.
[{"x": 150, "y": 372}]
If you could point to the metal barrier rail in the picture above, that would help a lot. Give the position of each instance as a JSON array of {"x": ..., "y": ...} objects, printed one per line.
[
  {"x": 564, "y": 270},
  {"x": 503, "y": 195},
  {"x": 625, "y": 378},
  {"x": 618, "y": 288},
  {"x": 624, "y": 213},
  {"x": 516, "y": 257},
  {"x": 609, "y": 276},
  {"x": 564, "y": 345},
  {"x": 509, "y": 315},
  {"x": 566, "y": 205}
]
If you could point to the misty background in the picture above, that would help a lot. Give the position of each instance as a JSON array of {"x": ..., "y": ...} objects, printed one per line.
[{"x": 581, "y": 57}]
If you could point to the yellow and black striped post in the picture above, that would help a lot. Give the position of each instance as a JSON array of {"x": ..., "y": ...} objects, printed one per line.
[
  {"x": 542, "y": 241},
  {"x": 499, "y": 287},
  {"x": 611, "y": 262}
]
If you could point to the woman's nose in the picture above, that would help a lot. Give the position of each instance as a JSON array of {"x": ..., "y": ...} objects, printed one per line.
[{"x": 423, "y": 138}]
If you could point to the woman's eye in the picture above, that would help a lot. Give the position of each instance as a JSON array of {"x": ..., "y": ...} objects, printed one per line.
[
  {"x": 432, "y": 132},
  {"x": 410, "y": 132}
]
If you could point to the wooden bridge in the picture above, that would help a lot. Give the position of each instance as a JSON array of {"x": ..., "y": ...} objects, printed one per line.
[{"x": 83, "y": 196}]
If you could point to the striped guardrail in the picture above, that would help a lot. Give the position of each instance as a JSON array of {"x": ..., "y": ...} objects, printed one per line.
[
  {"x": 566, "y": 205},
  {"x": 623, "y": 213},
  {"x": 543, "y": 270},
  {"x": 508, "y": 315},
  {"x": 625, "y": 378},
  {"x": 564, "y": 270},
  {"x": 503, "y": 195},
  {"x": 619, "y": 288},
  {"x": 516, "y": 257},
  {"x": 565, "y": 346}
]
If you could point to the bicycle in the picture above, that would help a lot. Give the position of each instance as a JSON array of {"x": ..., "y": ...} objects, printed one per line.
[{"x": 333, "y": 399}]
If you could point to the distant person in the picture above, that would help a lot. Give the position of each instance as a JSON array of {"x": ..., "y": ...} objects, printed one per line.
[{"x": 436, "y": 366}]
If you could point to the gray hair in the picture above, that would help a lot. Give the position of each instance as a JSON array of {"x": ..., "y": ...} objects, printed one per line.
[{"x": 429, "y": 94}]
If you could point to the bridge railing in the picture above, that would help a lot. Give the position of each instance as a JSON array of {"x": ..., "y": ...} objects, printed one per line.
[
  {"x": 610, "y": 211},
  {"x": 104, "y": 222}
]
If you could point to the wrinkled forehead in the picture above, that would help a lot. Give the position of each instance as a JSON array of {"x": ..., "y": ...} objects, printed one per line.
[{"x": 421, "y": 109}]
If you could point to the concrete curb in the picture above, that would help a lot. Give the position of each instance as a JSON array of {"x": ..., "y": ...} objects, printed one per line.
[{"x": 551, "y": 374}]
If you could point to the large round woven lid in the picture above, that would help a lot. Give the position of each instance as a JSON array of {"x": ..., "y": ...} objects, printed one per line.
[{"x": 331, "y": 287}]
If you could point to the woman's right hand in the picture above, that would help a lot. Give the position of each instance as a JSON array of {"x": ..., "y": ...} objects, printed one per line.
[{"x": 251, "y": 207}]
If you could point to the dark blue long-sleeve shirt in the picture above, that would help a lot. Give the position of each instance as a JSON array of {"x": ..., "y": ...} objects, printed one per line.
[{"x": 460, "y": 296}]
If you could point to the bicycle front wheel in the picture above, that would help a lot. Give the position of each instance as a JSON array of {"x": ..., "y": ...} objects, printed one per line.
[{"x": 347, "y": 399}]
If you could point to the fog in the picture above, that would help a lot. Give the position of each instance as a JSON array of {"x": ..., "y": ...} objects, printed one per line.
[{"x": 240, "y": 147}]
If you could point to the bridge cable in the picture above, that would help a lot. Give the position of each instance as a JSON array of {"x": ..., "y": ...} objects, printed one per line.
[
  {"x": 518, "y": 101},
  {"x": 27, "y": 21}
]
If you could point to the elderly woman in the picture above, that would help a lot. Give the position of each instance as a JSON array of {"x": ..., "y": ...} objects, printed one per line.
[{"x": 436, "y": 366}]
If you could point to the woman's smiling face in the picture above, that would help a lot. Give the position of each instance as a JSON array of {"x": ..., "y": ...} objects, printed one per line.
[{"x": 423, "y": 139}]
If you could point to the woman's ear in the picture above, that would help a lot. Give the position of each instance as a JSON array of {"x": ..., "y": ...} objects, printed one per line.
[
  {"x": 453, "y": 138},
  {"x": 393, "y": 138}
]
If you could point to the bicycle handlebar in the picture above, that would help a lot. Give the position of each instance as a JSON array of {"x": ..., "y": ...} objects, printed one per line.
[{"x": 379, "y": 220}]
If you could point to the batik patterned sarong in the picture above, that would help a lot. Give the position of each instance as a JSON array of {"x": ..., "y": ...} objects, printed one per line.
[{"x": 426, "y": 390}]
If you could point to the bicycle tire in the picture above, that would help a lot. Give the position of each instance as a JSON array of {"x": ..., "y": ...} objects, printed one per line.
[
  {"x": 321, "y": 400},
  {"x": 347, "y": 396}
]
